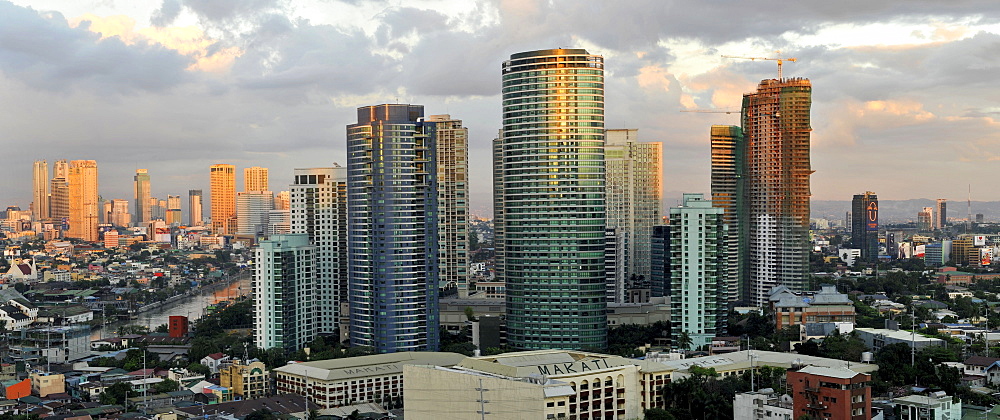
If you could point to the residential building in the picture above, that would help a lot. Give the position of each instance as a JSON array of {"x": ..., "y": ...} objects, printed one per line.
[
  {"x": 252, "y": 211},
  {"x": 40, "y": 190},
  {"x": 282, "y": 200},
  {"x": 660, "y": 262},
  {"x": 284, "y": 292},
  {"x": 44, "y": 384},
  {"x": 318, "y": 207},
  {"x": 143, "y": 210},
  {"x": 59, "y": 190},
  {"x": 355, "y": 380},
  {"x": 762, "y": 405},
  {"x": 83, "y": 200},
  {"x": 215, "y": 361},
  {"x": 876, "y": 338},
  {"x": 195, "y": 208},
  {"x": 728, "y": 167},
  {"x": 550, "y": 180},
  {"x": 279, "y": 222},
  {"x": 255, "y": 179},
  {"x": 935, "y": 406},
  {"x": 119, "y": 213},
  {"x": 940, "y": 218},
  {"x": 177, "y": 326},
  {"x": 174, "y": 210},
  {"x": 451, "y": 155},
  {"x": 223, "y": 183},
  {"x": 924, "y": 222},
  {"x": 614, "y": 267},
  {"x": 824, "y": 306},
  {"x": 838, "y": 393},
  {"x": 633, "y": 195},
  {"x": 864, "y": 225},
  {"x": 776, "y": 182},
  {"x": 698, "y": 268},
  {"x": 392, "y": 230},
  {"x": 247, "y": 379}
]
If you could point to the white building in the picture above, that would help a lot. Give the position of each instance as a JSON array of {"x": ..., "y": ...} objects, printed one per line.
[
  {"x": 936, "y": 406},
  {"x": 284, "y": 287},
  {"x": 762, "y": 405},
  {"x": 252, "y": 211}
]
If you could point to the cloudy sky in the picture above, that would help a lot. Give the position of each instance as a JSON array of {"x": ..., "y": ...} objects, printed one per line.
[{"x": 906, "y": 94}]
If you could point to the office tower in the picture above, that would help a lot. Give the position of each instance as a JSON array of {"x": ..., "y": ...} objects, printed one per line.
[
  {"x": 451, "y": 158},
  {"x": 924, "y": 222},
  {"x": 776, "y": 127},
  {"x": 864, "y": 225},
  {"x": 59, "y": 188},
  {"x": 105, "y": 214},
  {"x": 119, "y": 213},
  {"x": 633, "y": 200},
  {"x": 550, "y": 165},
  {"x": 279, "y": 222},
  {"x": 728, "y": 165},
  {"x": 40, "y": 190},
  {"x": 157, "y": 209},
  {"x": 940, "y": 215},
  {"x": 174, "y": 210},
  {"x": 255, "y": 179},
  {"x": 223, "y": 184},
  {"x": 698, "y": 269},
  {"x": 318, "y": 208},
  {"x": 194, "y": 207},
  {"x": 143, "y": 206},
  {"x": 83, "y": 200},
  {"x": 659, "y": 280},
  {"x": 281, "y": 200},
  {"x": 252, "y": 210},
  {"x": 284, "y": 293},
  {"x": 392, "y": 230}
]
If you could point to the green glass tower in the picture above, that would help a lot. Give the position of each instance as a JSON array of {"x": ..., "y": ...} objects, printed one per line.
[{"x": 550, "y": 181}]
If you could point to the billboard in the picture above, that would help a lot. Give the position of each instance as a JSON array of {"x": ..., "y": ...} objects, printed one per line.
[
  {"x": 979, "y": 240},
  {"x": 871, "y": 216},
  {"x": 986, "y": 256}
]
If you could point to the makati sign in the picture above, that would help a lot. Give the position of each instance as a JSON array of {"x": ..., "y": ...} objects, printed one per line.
[{"x": 576, "y": 367}]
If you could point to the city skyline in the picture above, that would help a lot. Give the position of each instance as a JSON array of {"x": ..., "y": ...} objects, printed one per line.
[{"x": 894, "y": 68}]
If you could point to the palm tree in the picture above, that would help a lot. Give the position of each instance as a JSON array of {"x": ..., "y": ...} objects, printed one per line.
[{"x": 684, "y": 341}]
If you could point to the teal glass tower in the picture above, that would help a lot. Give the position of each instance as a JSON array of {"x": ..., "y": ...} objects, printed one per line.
[{"x": 550, "y": 180}]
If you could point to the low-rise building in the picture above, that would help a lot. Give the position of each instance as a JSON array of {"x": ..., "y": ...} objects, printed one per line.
[
  {"x": 823, "y": 306},
  {"x": 247, "y": 380},
  {"x": 762, "y": 405},
  {"x": 44, "y": 383},
  {"x": 836, "y": 393},
  {"x": 876, "y": 338},
  {"x": 214, "y": 361},
  {"x": 936, "y": 406}
]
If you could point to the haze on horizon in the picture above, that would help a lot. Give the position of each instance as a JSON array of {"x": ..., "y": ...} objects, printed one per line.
[{"x": 904, "y": 94}]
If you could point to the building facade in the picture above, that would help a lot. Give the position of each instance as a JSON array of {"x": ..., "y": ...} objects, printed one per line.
[
  {"x": 59, "y": 190},
  {"x": 549, "y": 171},
  {"x": 142, "y": 197},
  {"x": 633, "y": 195},
  {"x": 318, "y": 207},
  {"x": 864, "y": 225},
  {"x": 451, "y": 153},
  {"x": 777, "y": 129},
  {"x": 223, "y": 190},
  {"x": 252, "y": 211},
  {"x": 728, "y": 166},
  {"x": 255, "y": 179},
  {"x": 247, "y": 379},
  {"x": 698, "y": 269},
  {"x": 83, "y": 200},
  {"x": 392, "y": 230},
  {"x": 940, "y": 215},
  {"x": 174, "y": 210},
  {"x": 284, "y": 292},
  {"x": 40, "y": 190},
  {"x": 659, "y": 283},
  {"x": 195, "y": 210},
  {"x": 837, "y": 393}
]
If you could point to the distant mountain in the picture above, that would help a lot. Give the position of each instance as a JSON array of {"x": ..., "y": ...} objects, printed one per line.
[{"x": 899, "y": 211}]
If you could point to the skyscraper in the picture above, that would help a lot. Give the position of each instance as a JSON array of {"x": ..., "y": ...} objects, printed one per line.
[
  {"x": 728, "y": 165},
  {"x": 59, "y": 188},
  {"x": 633, "y": 195},
  {"x": 864, "y": 225},
  {"x": 451, "y": 158},
  {"x": 252, "y": 211},
  {"x": 195, "y": 211},
  {"x": 281, "y": 200},
  {"x": 173, "y": 210},
  {"x": 925, "y": 219},
  {"x": 392, "y": 230},
  {"x": 83, "y": 201},
  {"x": 143, "y": 206},
  {"x": 223, "y": 184},
  {"x": 284, "y": 287},
  {"x": 255, "y": 179},
  {"x": 698, "y": 270},
  {"x": 550, "y": 168},
  {"x": 119, "y": 213},
  {"x": 776, "y": 126},
  {"x": 40, "y": 190},
  {"x": 940, "y": 217},
  {"x": 318, "y": 206}
]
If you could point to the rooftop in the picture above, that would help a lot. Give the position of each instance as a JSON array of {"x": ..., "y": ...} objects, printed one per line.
[
  {"x": 840, "y": 373},
  {"x": 363, "y": 366}
]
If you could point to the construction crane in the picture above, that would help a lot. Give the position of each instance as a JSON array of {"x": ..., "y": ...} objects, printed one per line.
[
  {"x": 708, "y": 111},
  {"x": 779, "y": 59}
]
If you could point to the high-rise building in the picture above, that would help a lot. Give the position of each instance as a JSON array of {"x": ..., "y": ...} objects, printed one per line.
[
  {"x": 864, "y": 225},
  {"x": 119, "y": 213},
  {"x": 451, "y": 158},
  {"x": 281, "y": 200},
  {"x": 40, "y": 190},
  {"x": 940, "y": 215},
  {"x": 255, "y": 179},
  {"x": 549, "y": 171},
  {"x": 223, "y": 184},
  {"x": 157, "y": 209},
  {"x": 776, "y": 127},
  {"x": 319, "y": 209},
  {"x": 728, "y": 165},
  {"x": 284, "y": 292},
  {"x": 83, "y": 207},
  {"x": 698, "y": 269},
  {"x": 195, "y": 211},
  {"x": 392, "y": 230},
  {"x": 633, "y": 195},
  {"x": 252, "y": 211},
  {"x": 59, "y": 188},
  {"x": 659, "y": 280},
  {"x": 173, "y": 210},
  {"x": 143, "y": 205},
  {"x": 924, "y": 217}
]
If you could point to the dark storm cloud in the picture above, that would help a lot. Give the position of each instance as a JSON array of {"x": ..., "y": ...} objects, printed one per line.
[
  {"x": 44, "y": 52},
  {"x": 167, "y": 13}
]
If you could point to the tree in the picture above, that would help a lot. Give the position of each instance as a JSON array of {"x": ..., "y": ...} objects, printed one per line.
[
  {"x": 658, "y": 414},
  {"x": 118, "y": 393},
  {"x": 199, "y": 369},
  {"x": 684, "y": 341},
  {"x": 168, "y": 385}
]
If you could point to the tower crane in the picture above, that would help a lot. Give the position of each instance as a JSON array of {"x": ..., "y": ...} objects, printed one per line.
[
  {"x": 709, "y": 111},
  {"x": 779, "y": 59}
]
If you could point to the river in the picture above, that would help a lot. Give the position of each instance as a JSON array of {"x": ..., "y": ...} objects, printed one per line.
[{"x": 193, "y": 307}]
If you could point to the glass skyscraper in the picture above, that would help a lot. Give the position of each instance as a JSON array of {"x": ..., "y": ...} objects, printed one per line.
[{"x": 550, "y": 178}]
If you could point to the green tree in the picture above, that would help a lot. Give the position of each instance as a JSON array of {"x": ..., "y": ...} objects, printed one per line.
[
  {"x": 168, "y": 385},
  {"x": 684, "y": 341},
  {"x": 118, "y": 393},
  {"x": 658, "y": 414}
]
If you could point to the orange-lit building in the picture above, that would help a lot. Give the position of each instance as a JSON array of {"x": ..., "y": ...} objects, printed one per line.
[
  {"x": 83, "y": 200},
  {"x": 177, "y": 326},
  {"x": 223, "y": 184},
  {"x": 833, "y": 393},
  {"x": 826, "y": 305}
]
